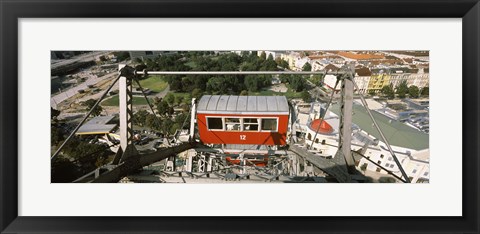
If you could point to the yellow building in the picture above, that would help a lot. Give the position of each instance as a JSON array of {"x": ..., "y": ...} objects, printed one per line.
[{"x": 377, "y": 81}]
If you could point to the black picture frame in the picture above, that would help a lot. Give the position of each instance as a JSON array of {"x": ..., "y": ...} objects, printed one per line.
[{"x": 11, "y": 11}]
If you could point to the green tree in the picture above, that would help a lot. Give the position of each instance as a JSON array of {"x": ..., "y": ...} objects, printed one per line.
[
  {"x": 425, "y": 91},
  {"x": 269, "y": 64},
  {"x": 281, "y": 63},
  {"x": 284, "y": 78},
  {"x": 64, "y": 171},
  {"x": 188, "y": 83},
  {"x": 138, "y": 60},
  {"x": 139, "y": 117},
  {"x": 200, "y": 83},
  {"x": 85, "y": 154},
  {"x": 306, "y": 97},
  {"x": 174, "y": 127},
  {"x": 387, "y": 90},
  {"x": 188, "y": 99},
  {"x": 90, "y": 103},
  {"x": 180, "y": 118},
  {"x": 245, "y": 54},
  {"x": 167, "y": 126},
  {"x": 152, "y": 122},
  {"x": 54, "y": 113},
  {"x": 270, "y": 57},
  {"x": 185, "y": 107},
  {"x": 178, "y": 99},
  {"x": 197, "y": 93},
  {"x": 297, "y": 83},
  {"x": 307, "y": 67},
  {"x": 170, "y": 99},
  {"x": 176, "y": 85},
  {"x": 317, "y": 79},
  {"x": 413, "y": 91},
  {"x": 218, "y": 85},
  {"x": 402, "y": 89},
  {"x": 263, "y": 55},
  {"x": 122, "y": 55},
  {"x": 162, "y": 107},
  {"x": 252, "y": 83},
  {"x": 371, "y": 92},
  {"x": 56, "y": 135}
]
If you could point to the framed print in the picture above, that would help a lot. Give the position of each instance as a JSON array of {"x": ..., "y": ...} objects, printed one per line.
[{"x": 240, "y": 114}]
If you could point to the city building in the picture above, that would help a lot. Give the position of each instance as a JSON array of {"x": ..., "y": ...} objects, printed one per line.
[
  {"x": 362, "y": 79},
  {"x": 300, "y": 62},
  {"x": 378, "y": 80},
  {"x": 291, "y": 58},
  {"x": 323, "y": 137},
  {"x": 416, "y": 77},
  {"x": 275, "y": 54}
]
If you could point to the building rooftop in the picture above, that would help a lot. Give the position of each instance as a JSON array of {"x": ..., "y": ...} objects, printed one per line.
[
  {"x": 363, "y": 71},
  {"x": 321, "y": 126},
  {"x": 423, "y": 155},
  {"x": 242, "y": 104},
  {"x": 360, "y": 56},
  {"x": 97, "y": 125},
  {"x": 331, "y": 67},
  {"x": 396, "y": 132}
]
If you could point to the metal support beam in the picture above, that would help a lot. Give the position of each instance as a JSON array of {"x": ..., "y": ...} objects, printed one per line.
[
  {"x": 238, "y": 72},
  {"x": 201, "y": 163},
  {"x": 365, "y": 104},
  {"x": 189, "y": 163},
  {"x": 345, "y": 131},
  {"x": 202, "y": 148},
  {"x": 193, "y": 119},
  {"x": 127, "y": 149},
  {"x": 132, "y": 164},
  {"x": 326, "y": 165}
]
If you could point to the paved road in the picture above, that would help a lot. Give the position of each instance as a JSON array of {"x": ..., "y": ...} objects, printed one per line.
[
  {"x": 64, "y": 95},
  {"x": 79, "y": 58},
  {"x": 163, "y": 93}
]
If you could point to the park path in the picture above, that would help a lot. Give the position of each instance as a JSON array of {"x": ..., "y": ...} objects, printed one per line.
[{"x": 164, "y": 92}]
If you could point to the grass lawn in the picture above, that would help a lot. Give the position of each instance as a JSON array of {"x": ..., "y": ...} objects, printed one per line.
[
  {"x": 154, "y": 83},
  {"x": 180, "y": 94},
  {"x": 113, "y": 101},
  {"x": 187, "y": 97},
  {"x": 289, "y": 94}
]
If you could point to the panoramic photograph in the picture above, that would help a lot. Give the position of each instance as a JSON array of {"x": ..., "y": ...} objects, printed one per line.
[{"x": 259, "y": 116}]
